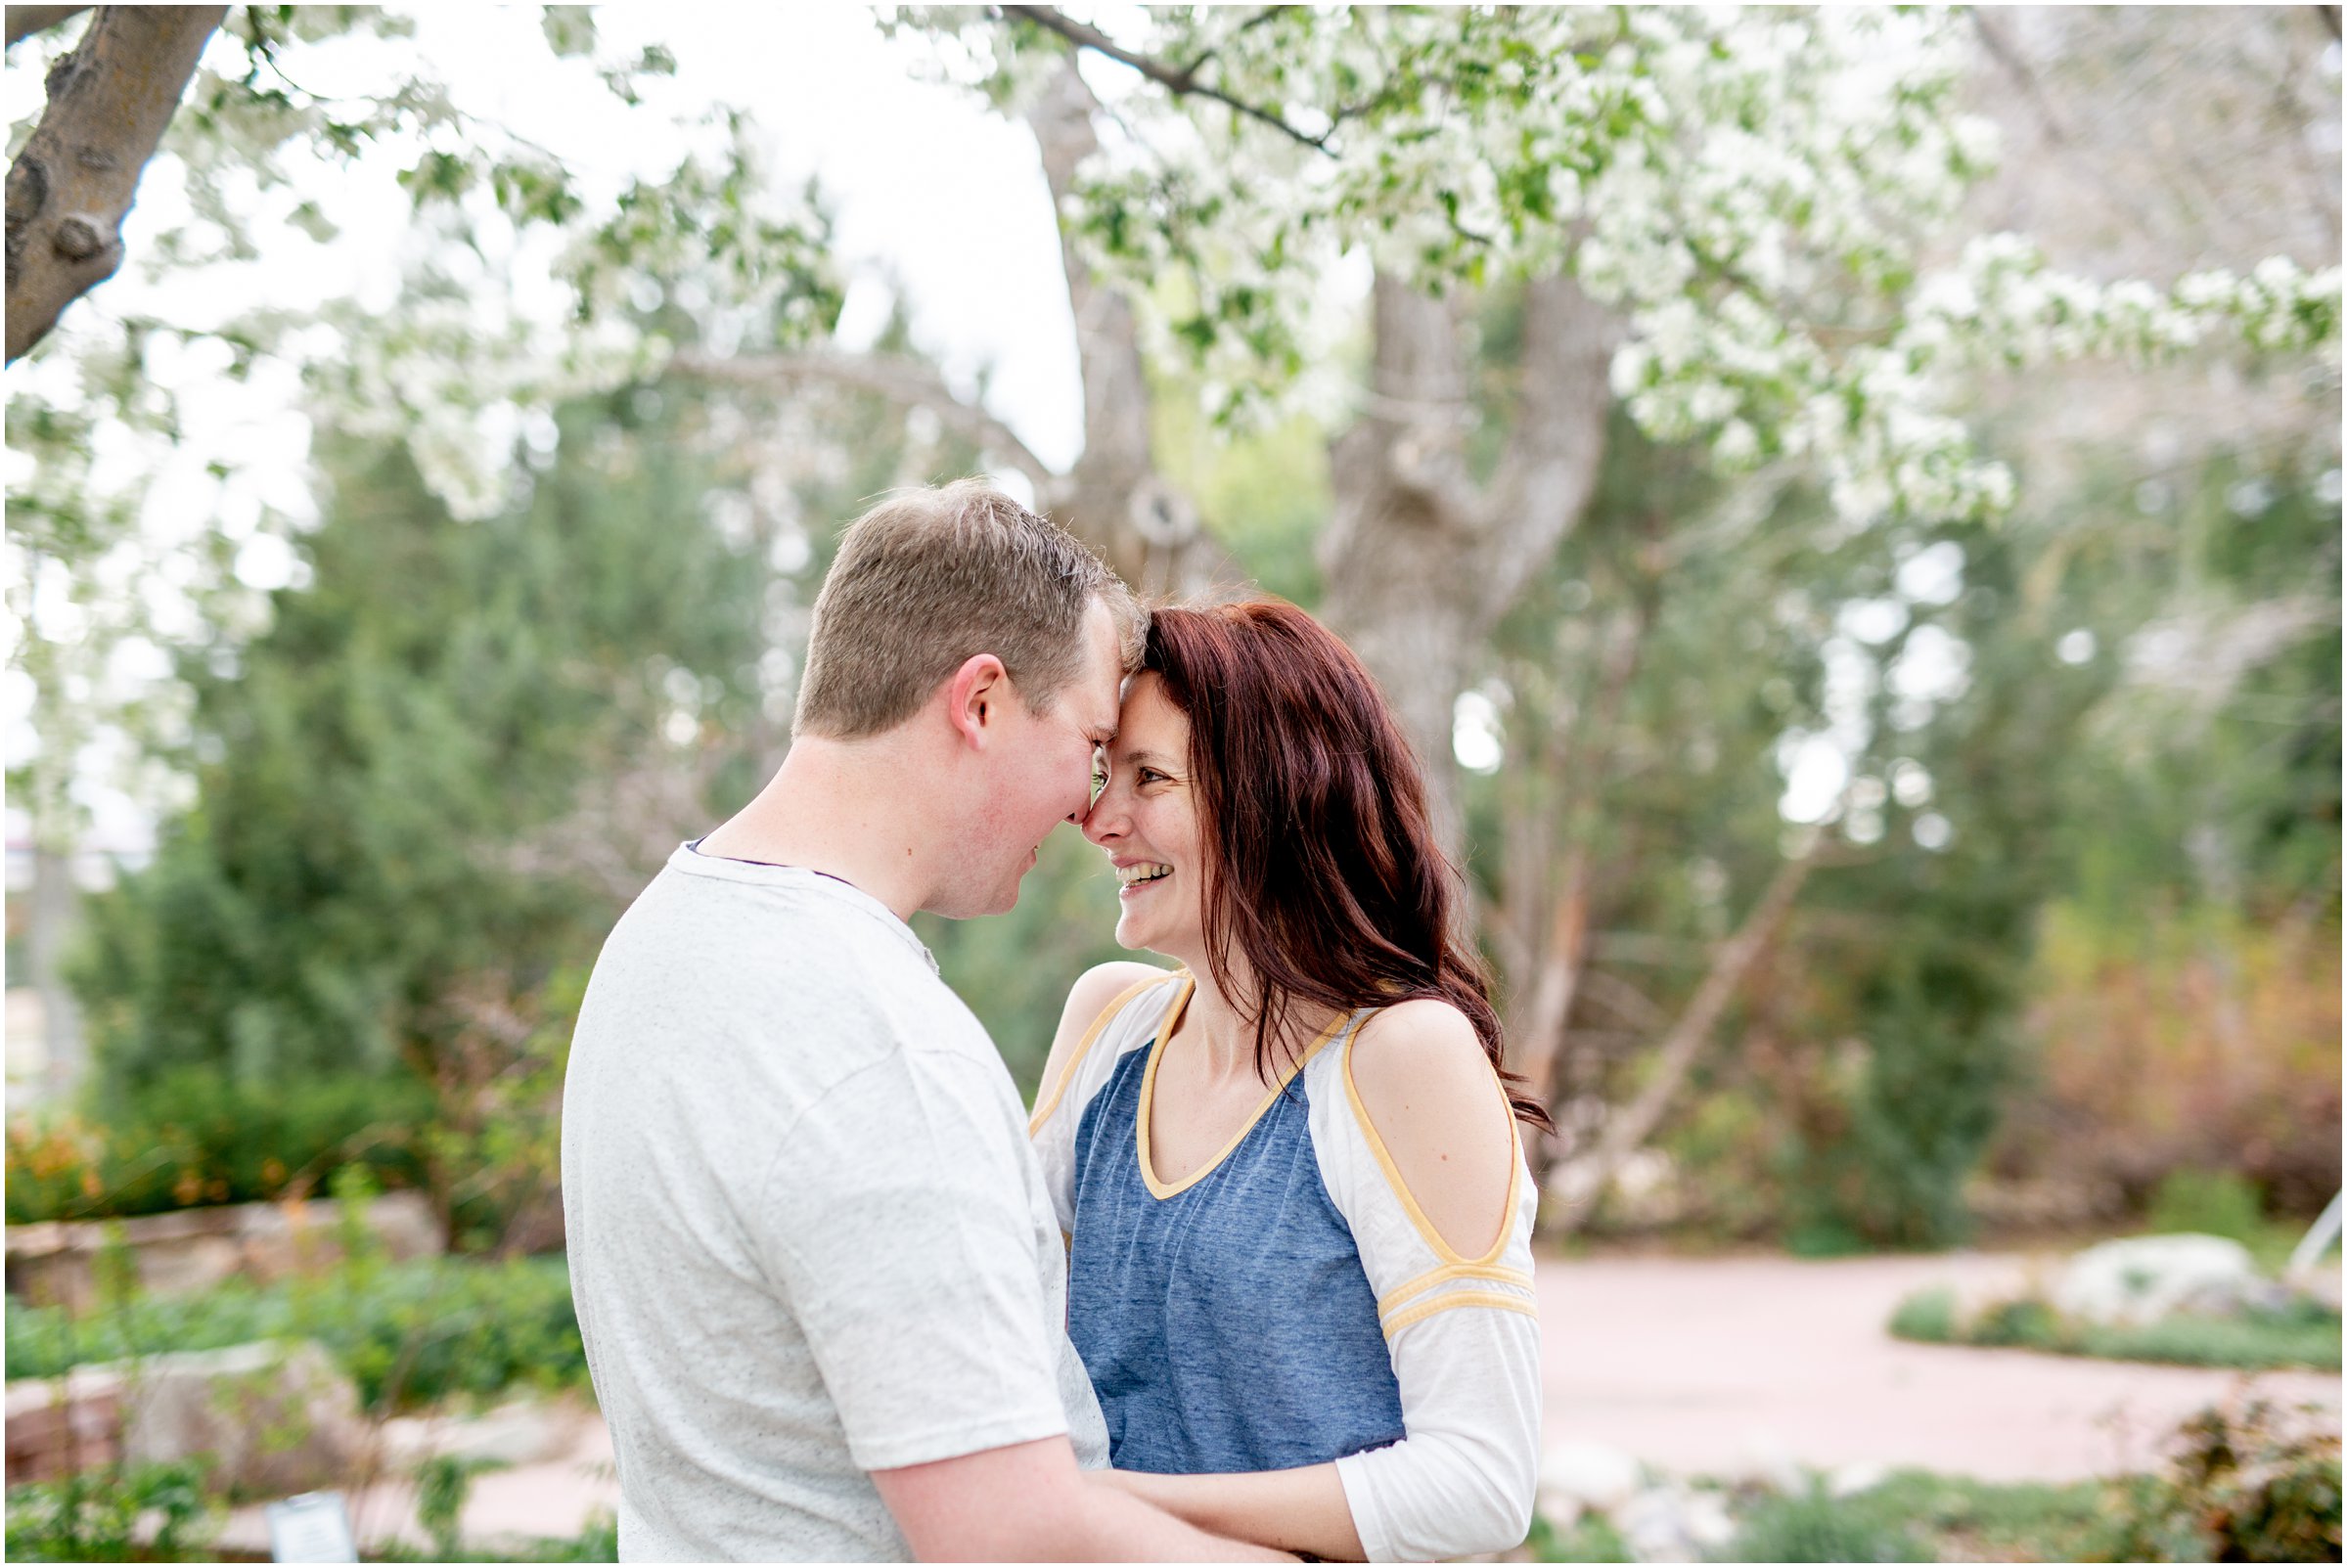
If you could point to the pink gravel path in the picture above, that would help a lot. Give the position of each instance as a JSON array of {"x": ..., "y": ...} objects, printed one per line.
[
  {"x": 1728, "y": 1366},
  {"x": 1696, "y": 1365}
]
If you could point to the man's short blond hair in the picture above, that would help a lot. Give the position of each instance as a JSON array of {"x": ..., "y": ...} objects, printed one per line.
[{"x": 931, "y": 577}]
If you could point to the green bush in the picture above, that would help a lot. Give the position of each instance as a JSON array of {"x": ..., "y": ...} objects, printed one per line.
[
  {"x": 2209, "y": 1202},
  {"x": 2026, "y": 1323},
  {"x": 94, "y": 1516},
  {"x": 1927, "y": 1316},
  {"x": 407, "y": 1333},
  {"x": 1814, "y": 1527},
  {"x": 196, "y": 1135},
  {"x": 1963, "y": 1520},
  {"x": 1592, "y": 1538},
  {"x": 2300, "y": 1334},
  {"x": 2248, "y": 1487}
]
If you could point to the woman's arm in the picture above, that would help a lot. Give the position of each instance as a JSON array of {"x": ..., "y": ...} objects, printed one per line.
[
  {"x": 1430, "y": 1175},
  {"x": 1301, "y": 1510}
]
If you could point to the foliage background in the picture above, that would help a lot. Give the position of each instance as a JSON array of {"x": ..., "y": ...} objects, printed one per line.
[{"x": 2073, "y": 921}]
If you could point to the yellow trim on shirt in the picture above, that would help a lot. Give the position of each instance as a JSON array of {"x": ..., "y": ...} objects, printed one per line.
[
  {"x": 1149, "y": 1094},
  {"x": 1462, "y": 1298},
  {"x": 1083, "y": 1046},
  {"x": 1448, "y": 1272},
  {"x": 1401, "y": 1188}
]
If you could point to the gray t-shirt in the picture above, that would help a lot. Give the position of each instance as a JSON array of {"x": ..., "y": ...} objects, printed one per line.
[{"x": 808, "y": 1236}]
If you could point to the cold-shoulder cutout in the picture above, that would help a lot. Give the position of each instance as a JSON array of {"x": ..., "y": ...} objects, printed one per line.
[{"x": 1434, "y": 1112}]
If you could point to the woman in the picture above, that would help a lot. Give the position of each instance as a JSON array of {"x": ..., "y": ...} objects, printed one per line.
[{"x": 1299, "y": 1219}]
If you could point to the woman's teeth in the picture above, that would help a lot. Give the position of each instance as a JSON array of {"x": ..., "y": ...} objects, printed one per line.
[{"x": 1144, "y": 871}]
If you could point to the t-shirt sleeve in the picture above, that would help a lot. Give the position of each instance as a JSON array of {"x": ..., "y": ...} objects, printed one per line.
[
  {"x": 896, "y": 1219},
  {"x": 1464, "y": 1335}
]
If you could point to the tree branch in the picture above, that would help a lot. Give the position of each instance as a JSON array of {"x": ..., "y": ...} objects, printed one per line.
[
  {"x": 906, "y": 383},
  {"x": 1631, "y": 1126},
  {"x": 1173, "y": 78},
  {"x": 25, "y": 20},
  {"x": 2002, "y": 52},
  {"x": 108, "y": 103}
]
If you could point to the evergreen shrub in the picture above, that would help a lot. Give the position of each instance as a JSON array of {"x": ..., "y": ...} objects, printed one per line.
[{"x": 198, "y": 1135}]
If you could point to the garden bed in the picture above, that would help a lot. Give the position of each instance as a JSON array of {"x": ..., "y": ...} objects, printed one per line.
[{"x": 2299, "y": 1334}]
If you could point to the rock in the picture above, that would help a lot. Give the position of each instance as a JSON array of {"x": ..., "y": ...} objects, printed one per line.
[
  {"x": 1590, "y": 1475},
  {"x": 1859, "y": 1475},
  {"x": 191, "y": 1250},
  {"x": 2321, "y": 1286},
  {"x": 2141, "y": 1280},
  {"x": 59, "y": 1427},
  {"x": 276, "y": 1417},
  {"x": 523, "y": 1431},
  {"x": 1675, "y": 1523},
  {"x": 1767, "y": 1459},
  {"x": 1709, "y": 1524},
  {"x": 287, "y": 1238}
]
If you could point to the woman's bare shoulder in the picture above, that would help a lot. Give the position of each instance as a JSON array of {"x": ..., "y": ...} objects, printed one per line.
[
  {"x": 1100, "y": 985},
  {"x": 1424, "y": 1081}
]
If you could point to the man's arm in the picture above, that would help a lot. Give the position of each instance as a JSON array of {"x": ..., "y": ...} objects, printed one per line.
[{"x": 1029, "y": 1503}]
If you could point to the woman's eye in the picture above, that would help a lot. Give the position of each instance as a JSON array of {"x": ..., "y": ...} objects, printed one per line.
[{"x": 1152, "y": 776}]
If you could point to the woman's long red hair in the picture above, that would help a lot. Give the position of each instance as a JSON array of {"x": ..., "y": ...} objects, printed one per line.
[{"x": 1321, "y": 865}]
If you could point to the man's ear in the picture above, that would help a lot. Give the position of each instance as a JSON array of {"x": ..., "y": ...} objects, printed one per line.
[{"x": 974, "y": 694}]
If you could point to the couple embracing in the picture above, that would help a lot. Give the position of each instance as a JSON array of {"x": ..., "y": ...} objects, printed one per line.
[{"x": 1253, "y": 1281}]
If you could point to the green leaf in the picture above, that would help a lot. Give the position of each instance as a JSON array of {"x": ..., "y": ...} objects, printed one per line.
[{"x": 569, "y": 30}]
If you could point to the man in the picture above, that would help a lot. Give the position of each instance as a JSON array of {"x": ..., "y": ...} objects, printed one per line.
[{"x": 819, "y": 1279}]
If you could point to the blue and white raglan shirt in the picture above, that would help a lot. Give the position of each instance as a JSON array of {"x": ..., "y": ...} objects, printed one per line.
[{"x": 1289, "y": 1303}]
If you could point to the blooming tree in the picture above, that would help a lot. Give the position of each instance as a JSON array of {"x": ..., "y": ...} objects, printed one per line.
[
  {"x": 1738, "y": 221},
  {"x": 1753, "y": 191}
]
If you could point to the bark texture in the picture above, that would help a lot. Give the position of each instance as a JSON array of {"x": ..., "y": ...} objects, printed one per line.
[
  {"x": 56, "y": 903},
  {"x": 1420, "y": 560},
  {"x": 1114, "y": 496},
  {"x": 25, "y": 20},
  {"x": 69, "y": 188}
]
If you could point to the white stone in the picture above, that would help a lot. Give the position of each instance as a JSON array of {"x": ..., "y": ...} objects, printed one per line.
[
  {"x": 1561, "y": 1511},
  {"x": 2141, "y": 1280},
  {"x": 1591, "y": 1475},
  {"x": 1673, "y": 1522},
  {"x": 1859, "y": 1475},
  {"x": 275, "y": 1417},
  {"x": 1709, "y": 1524},
  {"x": 1767, "y": 1459}
]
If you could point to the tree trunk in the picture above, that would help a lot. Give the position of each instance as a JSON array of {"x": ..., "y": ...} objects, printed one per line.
[
  {"x": 54, "y": 900},
  {"x": 1114, "y": 496},
  {"x": 1420, "y": 560},
  {"x": 70, "y": 187},
  {"x": 25, "y": 20},
  {"x": 1536, "y": 1033}
]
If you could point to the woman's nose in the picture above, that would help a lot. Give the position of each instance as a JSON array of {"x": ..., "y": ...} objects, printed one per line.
[{"x": 1104, "y": 821}]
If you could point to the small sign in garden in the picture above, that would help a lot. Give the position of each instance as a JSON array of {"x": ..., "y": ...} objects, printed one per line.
[{"x": 313, "y": 1527}]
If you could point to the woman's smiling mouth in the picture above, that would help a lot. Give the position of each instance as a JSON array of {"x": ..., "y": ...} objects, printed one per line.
[{"x": 1140, "y": 874}]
